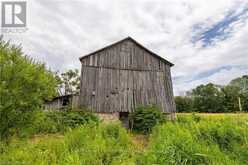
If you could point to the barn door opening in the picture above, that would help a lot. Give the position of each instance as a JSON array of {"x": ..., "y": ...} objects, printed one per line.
[
  {"x": 65, "y": 101},
  {"x": 123, "y": 116}
]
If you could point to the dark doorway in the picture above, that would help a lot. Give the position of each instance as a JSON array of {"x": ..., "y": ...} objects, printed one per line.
[
  {"x": 123, "y": 116},
  {"x": 65, "y": 101}
]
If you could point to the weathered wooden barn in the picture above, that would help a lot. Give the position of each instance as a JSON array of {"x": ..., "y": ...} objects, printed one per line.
[
  {"x": 122, "y": 76},
  {"x": 62, "y": 102}
]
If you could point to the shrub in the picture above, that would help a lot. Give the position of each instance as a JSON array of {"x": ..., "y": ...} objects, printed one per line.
[
  {"x": 146, "y": 117},
  {"x": 56, "y": 121},
  {"x": 39, "y": 123},
  {"x": 75, "y": 118}
]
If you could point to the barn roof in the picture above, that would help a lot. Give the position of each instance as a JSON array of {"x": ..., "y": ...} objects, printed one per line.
[{"x": 138, "y": 44}]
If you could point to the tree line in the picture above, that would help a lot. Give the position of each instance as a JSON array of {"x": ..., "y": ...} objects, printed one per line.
[{"x": 214, "y": 98}]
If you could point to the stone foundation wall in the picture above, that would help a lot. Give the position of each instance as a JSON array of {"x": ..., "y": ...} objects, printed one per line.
[{"x": 108, "y": 117}]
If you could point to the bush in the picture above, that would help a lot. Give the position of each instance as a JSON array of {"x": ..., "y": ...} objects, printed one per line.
[
  {"x": 144, "y": 118},
  {"x": 39, "y": 123},
  {"x": 56, "y": 122},
  {"x": 77, "y": 118}
]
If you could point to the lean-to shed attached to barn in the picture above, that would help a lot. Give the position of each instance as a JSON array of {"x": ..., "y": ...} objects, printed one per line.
[{"x": 122, "y": 76}]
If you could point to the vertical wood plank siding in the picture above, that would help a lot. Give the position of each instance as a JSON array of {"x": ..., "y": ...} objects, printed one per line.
[{"x": 124, "y": 76}]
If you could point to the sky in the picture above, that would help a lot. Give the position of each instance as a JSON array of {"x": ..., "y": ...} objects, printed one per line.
[{"x": 207, "y": 40}]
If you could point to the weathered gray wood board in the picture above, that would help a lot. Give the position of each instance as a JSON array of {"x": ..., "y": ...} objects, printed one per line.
[
  {"x": 57, "y": 102},
  {"x": 123, "y": 76}
]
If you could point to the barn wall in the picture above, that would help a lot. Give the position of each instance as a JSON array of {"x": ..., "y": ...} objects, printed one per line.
[
  {"x": 57, "y": 103},
  {"x": 125, "y": 55},
  {"x": 169, "y": 90},
  {"x": 124, "y": 76},
  {"x": 75, "y": 101}
]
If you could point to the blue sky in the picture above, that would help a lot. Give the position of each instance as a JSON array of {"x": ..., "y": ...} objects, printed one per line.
[
  {"x": 222, "y": 29},
  {"x": 206, "y": 40},
  {"x": 210, "y": 72}
]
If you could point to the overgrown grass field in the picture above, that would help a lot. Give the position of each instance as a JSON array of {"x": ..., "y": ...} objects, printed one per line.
[
  {"x": 192, "y": 139},
  {"x": 216, "y": 115}
]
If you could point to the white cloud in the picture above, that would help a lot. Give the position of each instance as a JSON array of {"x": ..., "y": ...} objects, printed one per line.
[
  {"x": 222, "y": 77},
  {"x": 61, "y": 31}
]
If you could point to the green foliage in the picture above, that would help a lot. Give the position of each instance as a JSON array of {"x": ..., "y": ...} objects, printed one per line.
[
  {"x": 71, "y": 119},
  {"x": 241, "y": 83},
  {"x": 213, "y": 98},
  {"x": 244, "y": 101},
  {"x": 231, "y": 98},
  {"x": 69, "y": 81},
  {"x": 40, "y": 122},
  {"x": 105, "y": 144},
  {"x": 144, "y": 118},
  {"x": 88, "y": 144},
  {"x": 205, "y": 141},
  {"x": 24, "y": 84},
  {"x": 184, "y": 104},
  {"x": 195, "y": 117},
  {"x": 74, "y": 119},
  {"x": 208, "y": 98},
  {"x": 56, "y": 122},
  {"x": 190, "y": 140},
  {"x": 224, "y": 133}
]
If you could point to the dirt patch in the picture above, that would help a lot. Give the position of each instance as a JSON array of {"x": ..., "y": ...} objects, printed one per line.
[
  {"x": 37, "y": 138},
  {"x": 140, "y": 141}
]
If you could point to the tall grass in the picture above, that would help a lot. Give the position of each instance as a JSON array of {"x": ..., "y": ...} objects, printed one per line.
[
  {"x": 191, "y": 140},
  {"x": 197, "y": 140},
  {"x": 87, "y": 144}
]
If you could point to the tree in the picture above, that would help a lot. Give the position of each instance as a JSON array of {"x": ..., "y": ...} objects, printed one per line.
[
  {"x": 70, "y": 81},
  {"x": 241, "y": 83},
  {"x": 214, "y": 98},
  {"x": 231, "y": 98},
  {"x": 244, "y": 101},
  {"x": 184, "y": 104},
  {"x": 241, "y": 97},
  {"x": 208, "y": 98},
  {"x": 24, "y": 85}
]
